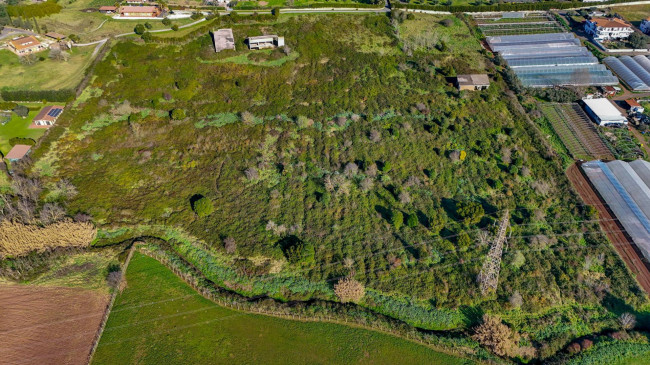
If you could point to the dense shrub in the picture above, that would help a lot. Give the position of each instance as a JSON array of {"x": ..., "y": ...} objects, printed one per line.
[{"x": 202, "y": 206}]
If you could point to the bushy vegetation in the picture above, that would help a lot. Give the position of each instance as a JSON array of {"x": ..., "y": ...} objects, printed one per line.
[{"x": 353, "y": 159}]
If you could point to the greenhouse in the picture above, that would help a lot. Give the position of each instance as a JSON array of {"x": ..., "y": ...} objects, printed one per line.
[
  {"x": 628, "y": 75},
  {"x": 551, "y": 59},
  {"x": 624, "y": 188}
]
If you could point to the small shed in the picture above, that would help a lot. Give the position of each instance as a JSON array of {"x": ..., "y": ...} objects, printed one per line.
[
  {"x": 107, "y": 9},
  {"x": 473, "y": 82},
  {"x": 18, "y": 152},
  {"x": 634, "y": 106}
]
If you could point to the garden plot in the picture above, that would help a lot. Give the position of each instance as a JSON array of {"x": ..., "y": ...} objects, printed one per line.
[
  {"x": 535, "y": 23},
  {"x": 577, "y": 133}
]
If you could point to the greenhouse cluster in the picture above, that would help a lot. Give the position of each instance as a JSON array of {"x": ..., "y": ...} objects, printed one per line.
[
  {"x": 552, "y": 59},
  {"x": 634, "y": 71},
  {"x": 625, "y": 188}
]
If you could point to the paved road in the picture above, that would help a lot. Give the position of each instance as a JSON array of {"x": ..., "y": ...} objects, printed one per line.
[{"x": 8, "y": 32}]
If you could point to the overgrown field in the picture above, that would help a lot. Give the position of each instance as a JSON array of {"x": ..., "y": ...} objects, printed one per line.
[
  {"x": 158, "y": 318},
  {"x": 355, "y": 155}
]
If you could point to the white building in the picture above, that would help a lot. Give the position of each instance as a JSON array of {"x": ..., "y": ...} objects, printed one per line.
[
  {"x": 603, "y": 112},
  {"x": 265, "y": 41},
  {"x": 604, "y": 29}
]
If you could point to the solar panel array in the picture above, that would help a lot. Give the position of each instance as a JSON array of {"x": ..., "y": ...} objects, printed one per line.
[
  {"x": 634, "y": 71},
  {"x": 54, "y": 112},
  {"x": 551, "y": 59}
]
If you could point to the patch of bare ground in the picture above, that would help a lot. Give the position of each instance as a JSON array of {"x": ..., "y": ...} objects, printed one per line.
[{"x": 48, "y": 325}]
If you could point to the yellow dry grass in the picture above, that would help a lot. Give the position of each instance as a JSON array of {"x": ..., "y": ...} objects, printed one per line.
[{"x": 17, "y": 239}]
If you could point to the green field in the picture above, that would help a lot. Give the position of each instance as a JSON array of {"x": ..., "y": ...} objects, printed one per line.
[
  {"x": 159, "y": 319},
  {"x": 44, "y": 75},
  {"x": 19, "y": 127},
  {"x": 632, "y": 13}
]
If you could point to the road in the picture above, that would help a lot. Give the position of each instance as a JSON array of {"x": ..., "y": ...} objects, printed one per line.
[{"x": 8, "y": 32}]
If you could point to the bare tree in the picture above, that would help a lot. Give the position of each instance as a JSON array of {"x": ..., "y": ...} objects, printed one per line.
[
  {"x": 251, "y": 173},
  {"x": 516, "y": 300},
  {"x": 51, "y": 213},
  {"x": 230, "y": 245},
  {"x": 404, "y": 197},
  {"x": 349, "y": 290},
  {"x": 348, "y": 262},
  {"x": 495, "y": 335},
  {"x": 375, "y": 136},
  {"x": 247, "y": 118},
  {"x": 367, "y": 184},
  {"x": 351, "y": 169},
  {"x": 627, "y": 321}
]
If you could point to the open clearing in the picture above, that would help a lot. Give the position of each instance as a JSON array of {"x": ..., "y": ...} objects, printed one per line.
[
  {"x": 159, "y": 319},
  {"x": 48, "y": 325},
  {"x": 47, "y": 74}
]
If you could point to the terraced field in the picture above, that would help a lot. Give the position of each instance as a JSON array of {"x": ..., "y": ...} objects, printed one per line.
[{"x": 576, "y": 131}]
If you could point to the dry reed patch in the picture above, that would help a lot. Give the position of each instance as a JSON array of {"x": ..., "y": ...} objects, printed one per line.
[{"x": 17, "y": 239}]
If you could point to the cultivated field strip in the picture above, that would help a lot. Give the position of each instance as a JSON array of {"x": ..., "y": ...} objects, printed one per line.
[
  {"x": 520, "y": 28},
  {"x": 576, "y": 132}
]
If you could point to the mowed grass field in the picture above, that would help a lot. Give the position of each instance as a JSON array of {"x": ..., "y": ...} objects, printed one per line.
[
  {"x": 159, "y": 319},
  {"x": 47, "y": 74},
  {"x": 19, "y": 127},
  {"x": 633, "y": 13}
]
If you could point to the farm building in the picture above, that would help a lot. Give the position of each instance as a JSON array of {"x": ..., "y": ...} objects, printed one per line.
[
  {"x": 107, "y": 9},
  {"x": 17, "y": 152},
  {"x": 48, "y": 115},
  {"x": 223, "y": 39},
  {"x": 26, "y": 45},
  {"x": 139, "y": 11},
  {"x": 625, "y": 189},
  {"x": 634, "y": 71},
  {"x": 551, "y": 59},
  {"x": 608, "y": 28},
  {"x": 472, "y": 82},
  {"x": 634, "y": 106},
  {"x": 604, "y": 112},
  {"x": 265, "y": 41}
]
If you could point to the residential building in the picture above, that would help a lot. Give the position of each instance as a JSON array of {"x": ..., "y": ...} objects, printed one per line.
[
  {"x": 265, "y": 41},
  {"x": 634, "y": 107},
  {"x": 223, "y": 39},
  {"x": 17, "y": 152},
  {"x": 603, "y": 112},
  {"x": 472, "y": 82},
  {"x": 608, "y": 90},
  {"x": 26, "y": 45},
  {"x": 107, "y": 9},
  {"x": 139, "y": 11},
  {"x": 604, "y": 29},
  {"x": 48, "y": 115}
]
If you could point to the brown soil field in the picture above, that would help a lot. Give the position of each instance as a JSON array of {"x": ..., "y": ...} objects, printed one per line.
[
  {"x": 48, "y": 325},
  {"x": 626, "y": 249}
]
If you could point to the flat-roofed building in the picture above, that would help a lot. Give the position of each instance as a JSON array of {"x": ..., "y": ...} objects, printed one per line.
[
  {"x": 139, "y": 11},
  {"x": 26, "y": 45},
  {"x": 604, "y": 112},
  {"x": 223, "y": 39},
  {"x": 472, "y": 82},
  {"x": 265, "y": 41},
  {"x": 608, "y": 28}
]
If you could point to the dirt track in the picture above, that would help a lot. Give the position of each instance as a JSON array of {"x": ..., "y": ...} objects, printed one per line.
[
  {"x": 48, "y": 325},
  {"x": 614, "y": 230}
]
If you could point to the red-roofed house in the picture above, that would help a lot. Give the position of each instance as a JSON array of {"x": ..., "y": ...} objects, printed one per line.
[
  {"x": 604, "y": 29},
  {"x": 17, "y": 152},
  {"x": 26, "y": 45},
  {"x": 107, "y": 9},
  {"x": 48, "y": 115},
  {"x": 634, "y": 106},
  {"x": 139, "y": 11}
]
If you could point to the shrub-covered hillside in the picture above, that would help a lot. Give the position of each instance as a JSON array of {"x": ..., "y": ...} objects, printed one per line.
[{"x": 339, "y": 154}]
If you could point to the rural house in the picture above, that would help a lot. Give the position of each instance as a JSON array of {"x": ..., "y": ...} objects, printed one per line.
[
  {"x": 48, "y": 115},
  {"x": 472, "y": 82},
  {"x": 17, "y": 152},
  {"x": 265, "y": 41},
  {"x": 107, "y": 9},
  {"x": 604, "y": 29},
  {"x": 634, "y": 106},
  {"x": 26, "y": 45},
  {"x": 139, "y": 11},
  {"x": 223, "y": 39}
]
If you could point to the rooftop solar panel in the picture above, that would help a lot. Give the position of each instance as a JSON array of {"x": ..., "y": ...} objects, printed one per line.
[{"x": 54, "y": 112}]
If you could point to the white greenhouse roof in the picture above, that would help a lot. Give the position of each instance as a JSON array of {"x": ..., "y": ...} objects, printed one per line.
[{"x": 604, "y": 109}]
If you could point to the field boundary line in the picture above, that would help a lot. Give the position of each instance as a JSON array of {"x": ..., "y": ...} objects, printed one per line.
[{"x": 107, "y": 312}]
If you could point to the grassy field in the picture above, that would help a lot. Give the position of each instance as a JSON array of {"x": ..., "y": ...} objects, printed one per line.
[
  {"x": 47, "y": 74},
  {"x": 159, "y": 319},
  {"x": 633, "y": 13},
  {"x": 19, "y": 127}
]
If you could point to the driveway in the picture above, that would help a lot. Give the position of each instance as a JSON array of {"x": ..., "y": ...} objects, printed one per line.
[{"x": 9, "y": 31}]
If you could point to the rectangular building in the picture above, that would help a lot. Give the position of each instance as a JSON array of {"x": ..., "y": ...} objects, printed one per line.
[
  {"x": 603, "y": 112},
  {"x": 604, "y": 29},
  {"x": 26, "y": 45},
  {"x": 48, "y": 115},
  {"x": 223, "y": 39},
  {"x": 139, "y": 11},
  {"x": 472, "y": 82},
  {"x": 17, "y": 152},
  {"x": 265, "y": 41}
]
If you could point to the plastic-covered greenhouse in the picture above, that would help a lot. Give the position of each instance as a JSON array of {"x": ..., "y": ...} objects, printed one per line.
[
  {"x": 551, "y": 59},
  {"x": 624, "y": 187},
  {"x": 634, "y": 81}
]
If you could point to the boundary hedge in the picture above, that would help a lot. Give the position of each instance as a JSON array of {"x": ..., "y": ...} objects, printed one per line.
[
  {"x": 62, "y": 95},
  {"x": 542, "y": 5}
]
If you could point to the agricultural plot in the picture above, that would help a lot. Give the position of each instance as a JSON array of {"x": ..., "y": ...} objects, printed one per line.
[
  {"x": 160, "y": 319},
  {"x": 576, "y": 131},
  {"x": 48, "y": 325},
  {"x": 535, "y": 23}
]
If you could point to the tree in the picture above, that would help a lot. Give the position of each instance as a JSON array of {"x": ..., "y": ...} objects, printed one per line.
[
  {"x": 166, "y": 22},
  {"x": 412, "y": 220},
  {"x": 637, "y": 41},
  {"x": 470, "y": 212},
  {"x": 300, "y": 252},
  {"x": 495, "y": 335},
  {"x": 397, "y": 219},
  {"x": 175, "y": 27},
  {"x": 349, "y": 290},
  {"x": 51, "y": 213},
  {"x": 230, "y": 245},
  {"x": 275, "y": 12},
  {"x": 516, "y": 300},
  {"x": 627, "y": 321},
  {"x": 147, "y": 37},
  {"x": 148, "y": 25},
  {"x": 202, "y": 206},
  {"x": 21, "y": 110},
  {"x": 178, "y": 114},
  {"x": 139, "y": 29}
]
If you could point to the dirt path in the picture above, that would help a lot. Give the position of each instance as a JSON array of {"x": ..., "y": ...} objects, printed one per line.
[
  {"x": 623, "y": 244},
  {"x": 48, "y": 325}
]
